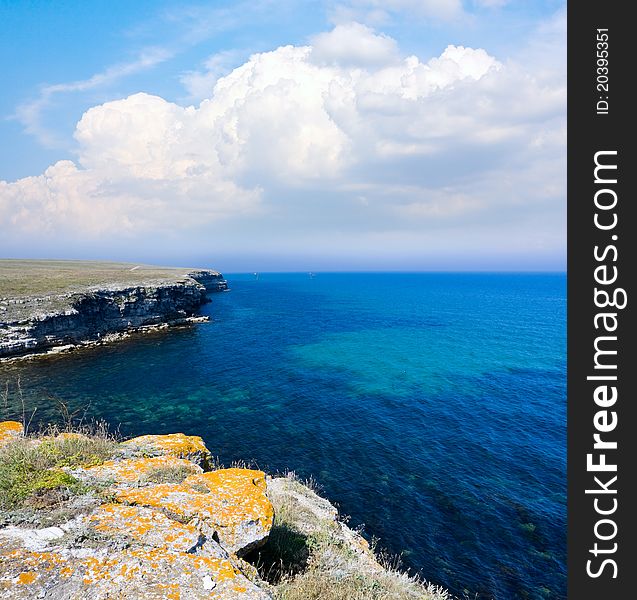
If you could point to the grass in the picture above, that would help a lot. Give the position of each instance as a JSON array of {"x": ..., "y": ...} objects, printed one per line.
[
  {"x": 24, "y": 278},
  {"x": 31, "y": 474},
  {"x": 168, "y": 474},
  {"x": 307, "y": 557},
  {"x": 321, "y": 585},
  {"x": 30, "y": 287}
]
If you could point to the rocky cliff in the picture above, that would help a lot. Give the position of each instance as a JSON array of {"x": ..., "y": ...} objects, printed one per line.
[
  {"x": 213, "y": 281},
  {"x": 154, "y": 518},
  {"x": 36, "y": 323}
]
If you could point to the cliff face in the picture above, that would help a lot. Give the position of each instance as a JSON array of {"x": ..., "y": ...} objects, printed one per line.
[
  {"x": 36, "y": 324},
  {"x": 213, "y": 281}
]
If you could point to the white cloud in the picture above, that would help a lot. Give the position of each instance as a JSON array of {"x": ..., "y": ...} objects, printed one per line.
[
  {"x": 344, "y": 138},
  {"x": 68, "y": 204},
  {"x": 354, "y": 45},
  {"x": 200, "y": 83},
  {"x": 30, "y": 113}
]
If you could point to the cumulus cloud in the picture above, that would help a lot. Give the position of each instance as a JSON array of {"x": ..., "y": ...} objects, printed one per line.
[
  {"x": 342, "y": 138},
  {"x": 354, "y": 45},
  {"x": 200, "y": 83}
]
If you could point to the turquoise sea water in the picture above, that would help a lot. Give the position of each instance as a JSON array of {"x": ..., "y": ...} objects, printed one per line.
[{"x": 430, "y": 407}]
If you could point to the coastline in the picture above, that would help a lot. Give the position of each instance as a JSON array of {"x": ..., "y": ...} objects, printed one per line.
[
  {"x": 110, "y": 338},
  {"x": 77, "y": 312}
]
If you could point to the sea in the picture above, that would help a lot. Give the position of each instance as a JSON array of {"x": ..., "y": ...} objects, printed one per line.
[{"x": 430, "y": 407}]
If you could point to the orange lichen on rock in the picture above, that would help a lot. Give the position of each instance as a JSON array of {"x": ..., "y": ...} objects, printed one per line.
[
  {"x": 21, "y": 564},
  {"x": 191, "y": 447},
  {"x": 149, "y": 571},
  {"x": 26, "y": 577},
  {"x": 236, "y": 507},
  {"x": 10, "y": 431},
  {"x": 158, "y": 540},
  {"x": 172, "y": 497},
  {"x": 132, "y": 470},
  {"x": 144, "y": 526},
  {"x": 237, "y": 496},
  {"x": 152, "y": 574}
]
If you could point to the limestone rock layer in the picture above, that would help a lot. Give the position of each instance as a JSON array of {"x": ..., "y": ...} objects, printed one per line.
[
  {"x": 146, "y": 538},
  {"x": 33, "y": 323}
]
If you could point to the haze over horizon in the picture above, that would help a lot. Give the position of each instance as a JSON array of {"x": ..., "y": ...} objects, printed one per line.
[{"x": 286, "y": 136}]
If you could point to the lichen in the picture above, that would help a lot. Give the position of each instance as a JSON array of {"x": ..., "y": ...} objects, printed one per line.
[
  {"x": 179, "y": 445},
  {"x": 237, "y": 509},
  {"x": 9, "y": 431},
  {"x": 26, "y": 577},
  {"x": 144, "y": 526},
  {"x": 136, "y": 469}
]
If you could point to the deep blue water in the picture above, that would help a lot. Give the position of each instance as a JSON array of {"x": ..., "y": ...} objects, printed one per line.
[{"x": 430, "y": 407}]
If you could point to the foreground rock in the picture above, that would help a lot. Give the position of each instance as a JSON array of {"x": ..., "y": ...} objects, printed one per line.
[
  {"x": 190, "y": 447},
  {"x": 178, "y": 540},
  {"x": 9, "y": 431},
  {"x": 149, "y": 522},
  {"x": 229, "y": 505},
  {"x": 144, "y": 573}
]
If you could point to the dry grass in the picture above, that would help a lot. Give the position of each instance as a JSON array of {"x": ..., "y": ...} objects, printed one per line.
[
  {"x": 168, "y": 474},
  {"x": 307, "y": 557},
  {"x": 317, "y": 584},
  {"x": 22, "y": 278}
]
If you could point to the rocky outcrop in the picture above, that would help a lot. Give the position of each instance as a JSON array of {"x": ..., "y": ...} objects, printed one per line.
[
  {"x": 9, "y": 431},
  {"x": 213, "y": 281},
  {"x": 134, "y": 470},
  {"x": 146, "y": 520},
  {"x": 35, "y": 324},
  {"x": 149, "y": 540},
  {"x": 190, "y": 447},
  {"x": 143, "y": 573},
  {"x": 228, "y": 505}
]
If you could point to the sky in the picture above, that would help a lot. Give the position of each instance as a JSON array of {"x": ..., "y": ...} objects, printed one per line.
[{"x": 272, "y": 135}]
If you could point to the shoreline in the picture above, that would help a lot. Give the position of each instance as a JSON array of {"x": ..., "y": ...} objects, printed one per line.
[
  {"x": 107, "y": 339},
  {"x": 47, "y": 309}
]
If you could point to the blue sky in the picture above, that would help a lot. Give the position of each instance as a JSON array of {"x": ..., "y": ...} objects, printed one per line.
[{"x": 276, "y": 135}]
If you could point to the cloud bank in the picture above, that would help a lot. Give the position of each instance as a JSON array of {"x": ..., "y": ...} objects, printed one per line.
[{"x": 336, "y": 147}]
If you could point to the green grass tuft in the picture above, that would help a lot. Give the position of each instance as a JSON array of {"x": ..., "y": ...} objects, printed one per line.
[{"x": 30, "y": 469}]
